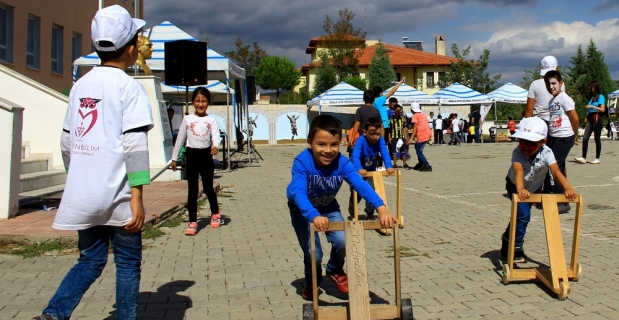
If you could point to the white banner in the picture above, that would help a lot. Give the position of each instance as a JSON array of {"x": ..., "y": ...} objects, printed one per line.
[{"x": 485, "y": 108}]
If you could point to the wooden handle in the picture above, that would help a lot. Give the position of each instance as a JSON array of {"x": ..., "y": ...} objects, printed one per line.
[{"x": 534, "y": 198}]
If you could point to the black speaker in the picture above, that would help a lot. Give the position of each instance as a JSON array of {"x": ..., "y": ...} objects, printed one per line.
[
  {"x": 185, "y": 63},
  {"x": 251, "y": 89}
]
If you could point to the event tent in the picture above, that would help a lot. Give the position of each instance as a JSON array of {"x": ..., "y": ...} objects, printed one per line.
[
  {"x": 614, "y": 94},
  {"x": 509, "y": 93},
  {"x": 214, "y": 86},
  {"x": 460, "y": 94},
  {"x": 341, "y": 95},
  {"x": 407, "y": 95}
]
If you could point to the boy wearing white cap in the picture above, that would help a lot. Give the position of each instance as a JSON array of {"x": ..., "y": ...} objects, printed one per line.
[
  {"x": 105, "y": 152},
  {"x": 538, "y": 97},
  {"x": 531, "y": 160}
]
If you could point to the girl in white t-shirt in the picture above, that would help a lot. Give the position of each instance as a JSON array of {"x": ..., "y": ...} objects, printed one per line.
[{"x": 200, "y": 133}]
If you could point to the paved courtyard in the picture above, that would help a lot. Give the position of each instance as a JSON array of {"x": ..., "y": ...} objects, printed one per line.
[{"x": 251, "y": 268}]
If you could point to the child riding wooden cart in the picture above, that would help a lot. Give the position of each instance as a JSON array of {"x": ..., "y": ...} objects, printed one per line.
[{"x": 359, "y": 297}]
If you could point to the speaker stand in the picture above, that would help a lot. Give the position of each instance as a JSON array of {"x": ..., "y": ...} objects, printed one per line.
[{"x": 255, "y": 155}]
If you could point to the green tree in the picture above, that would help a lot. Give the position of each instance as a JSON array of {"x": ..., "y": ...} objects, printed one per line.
[
  {"x": 357, "y": 82},
  {"x": 530, "y": 76},
  {"x": 248, "y": 56},
  {"x": 586, "y": 67},
  {"x": 326, "y": 76},
  {"x": 381, "y": 71},
  {"x": 471, "y": 73},
  {"x": 293, "y": 97},
  {"x": 342, "y": 41},
  {"x": 277, "y": 73}
]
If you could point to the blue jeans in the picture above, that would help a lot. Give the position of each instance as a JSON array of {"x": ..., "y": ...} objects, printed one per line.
[
  {"x": 477, "y": 133},
  {"x": 93, "y": 245},
  {"x": 523, "y": 215},
  {"x": 419, "y": 150},
  {"x": 335, "y": 238}
]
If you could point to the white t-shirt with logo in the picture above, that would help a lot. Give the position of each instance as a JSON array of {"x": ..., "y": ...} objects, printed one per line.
[
  {"x": 103, "y": 104},
  {"x": 538, "y": 91},
  {"x": 560, "y": 125}
]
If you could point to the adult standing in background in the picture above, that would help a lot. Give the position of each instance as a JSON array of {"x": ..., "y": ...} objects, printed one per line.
[
  {"x": 594, "y": 122},
  {"x": 475, "y": 120},
  {"x": 539, "y": 97}
]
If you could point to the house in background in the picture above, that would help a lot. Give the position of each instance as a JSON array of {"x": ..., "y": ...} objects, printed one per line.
[
  {"x": 423, "y": 70},
  {"x": 40, "y": 39}
]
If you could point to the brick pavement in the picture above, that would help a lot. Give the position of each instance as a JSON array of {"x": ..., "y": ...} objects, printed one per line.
[{"x": 251, "y": 268}]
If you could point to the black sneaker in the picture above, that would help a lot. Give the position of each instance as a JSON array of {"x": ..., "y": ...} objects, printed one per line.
[
  {"x": 406, "y": 166},
  {"x": 564, "y": 207},
  {"x": 519, "y": 256},
  {"x": 426, "y": 169},
  {"x": 46, "y": 316},
  {"x": 418, "y": 166}
]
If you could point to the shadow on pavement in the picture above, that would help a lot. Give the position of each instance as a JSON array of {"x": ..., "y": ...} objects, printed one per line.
[{"x": 166, "y": 303}]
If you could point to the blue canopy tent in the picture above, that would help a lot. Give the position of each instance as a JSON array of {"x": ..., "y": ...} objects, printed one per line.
[
  {"x": 461, "y": 94},
  {"x": 218, "y": 66},
  {"x": 342, "y": 94},
  {"x": 407, "y": 95},
  {"x": 509, "y": 93}
]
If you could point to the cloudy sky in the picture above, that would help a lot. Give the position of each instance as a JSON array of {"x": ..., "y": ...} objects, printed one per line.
[{"x": 517, "y": 33}]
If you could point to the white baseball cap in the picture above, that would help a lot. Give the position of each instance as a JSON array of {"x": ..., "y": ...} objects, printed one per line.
[
  {"x": 114, "y": 24},
  {"x": 548, "y": 63},
  {"x": 532, "y": 129},
  {"x": 415, "y": 107}
]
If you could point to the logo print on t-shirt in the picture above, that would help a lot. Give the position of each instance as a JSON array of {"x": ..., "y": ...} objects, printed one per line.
[
  {"x": 88, "y": 114},
  {"x": 200, "y": 129}
]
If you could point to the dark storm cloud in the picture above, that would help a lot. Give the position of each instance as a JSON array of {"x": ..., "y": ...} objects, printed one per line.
[
  {"x": 606, "y": 5},
  {"x": 286, "y": 26}
]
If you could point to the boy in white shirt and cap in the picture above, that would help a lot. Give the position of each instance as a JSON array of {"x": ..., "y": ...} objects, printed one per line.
[{"x": 105, "y": 152}]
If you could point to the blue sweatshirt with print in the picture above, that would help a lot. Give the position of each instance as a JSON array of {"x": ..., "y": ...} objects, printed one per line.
[
  {"x": 313, "y": 188},
  {"x": 364, "y": 154}
]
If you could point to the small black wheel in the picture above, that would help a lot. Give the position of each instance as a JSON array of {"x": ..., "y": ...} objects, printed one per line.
[
  {"x": 407, "y": 309},
  {"x": 308, "y": 311}
]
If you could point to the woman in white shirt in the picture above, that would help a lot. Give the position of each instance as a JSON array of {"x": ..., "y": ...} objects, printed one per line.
[{"x": 200, "y": 132}]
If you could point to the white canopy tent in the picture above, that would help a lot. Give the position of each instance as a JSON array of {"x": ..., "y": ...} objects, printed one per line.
[
  {"x": 407, "y": 95},
  {"x": 214, "y": 86},
  {"x": 509, "y": 93},
  {"x": 342, "y": 94},
  {"x": 218, "y": 66}
]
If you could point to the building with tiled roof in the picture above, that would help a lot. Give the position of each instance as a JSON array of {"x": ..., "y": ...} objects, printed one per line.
[{"x": 421, "y": 69}]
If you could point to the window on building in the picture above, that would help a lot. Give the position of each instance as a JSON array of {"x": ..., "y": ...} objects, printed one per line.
[
  {"x": 57, "y": 49},
  {"x": 76, "y": 49},
  {"x": 429, "y": 79},
  {"x": 33, "y": 46},
  {"x": 6, "y": 33},
  {"x": 441, "y": 80},
  {"x": 398, "y": 75}
]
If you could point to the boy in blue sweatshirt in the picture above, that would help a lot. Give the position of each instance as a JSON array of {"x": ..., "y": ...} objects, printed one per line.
[
  {"x": 317, "y": 175},
  {"x": 364, "y": 156}
]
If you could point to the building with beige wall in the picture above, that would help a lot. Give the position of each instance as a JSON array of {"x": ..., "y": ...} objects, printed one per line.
[
  {"x": 423, "y": 70},
  {"x": 41, "y": 38}
]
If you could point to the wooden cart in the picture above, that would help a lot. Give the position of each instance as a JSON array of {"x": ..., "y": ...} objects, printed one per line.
[
  {"x": 359, "y": 307},
  {"x": 555, "y": 276},
  {"x": 379, "y": 187}
]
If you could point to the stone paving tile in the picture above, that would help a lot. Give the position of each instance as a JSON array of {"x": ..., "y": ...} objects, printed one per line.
[{"x": 251, "y": 268}]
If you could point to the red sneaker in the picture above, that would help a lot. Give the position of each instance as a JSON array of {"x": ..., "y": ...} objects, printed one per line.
[
  {"x": 307, "y": 292},
  {"x": 341, "y": 281}
]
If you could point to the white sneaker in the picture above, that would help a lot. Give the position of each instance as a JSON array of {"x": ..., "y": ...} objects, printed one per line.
[
  {"x": 580, "y": 160},
  {"x": 596, "y": 161}
]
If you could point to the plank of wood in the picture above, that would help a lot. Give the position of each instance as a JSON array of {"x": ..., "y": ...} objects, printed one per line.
[
  {"x": 576, "y": 238},
  {"x": 358, "y": 288},
  {"x": 554, "y": 239}
]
